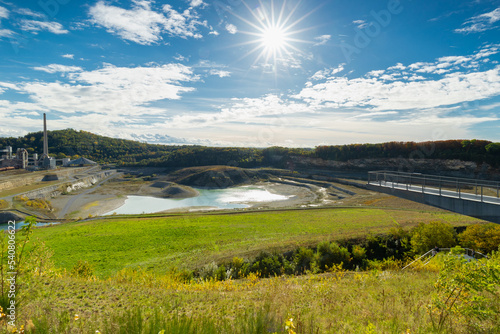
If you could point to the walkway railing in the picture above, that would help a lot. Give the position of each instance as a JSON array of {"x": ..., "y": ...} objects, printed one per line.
[
  {"x": 430, "y": 254},
  {"x": 471, "y": 189}
]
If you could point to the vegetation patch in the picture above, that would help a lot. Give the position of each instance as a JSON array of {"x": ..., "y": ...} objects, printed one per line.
[
  {"x": 4, "y": 204},
  {"x": 194, "y": 240}
]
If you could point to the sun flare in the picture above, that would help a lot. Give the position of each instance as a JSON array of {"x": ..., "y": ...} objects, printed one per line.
[
  {"x": 273, "y": 38},
  {"x": 274, "y": 32}
]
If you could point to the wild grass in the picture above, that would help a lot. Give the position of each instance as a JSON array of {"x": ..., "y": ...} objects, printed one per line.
[
  {"x": 193, "y": 240},
  {"x": 141, "y": 302}
]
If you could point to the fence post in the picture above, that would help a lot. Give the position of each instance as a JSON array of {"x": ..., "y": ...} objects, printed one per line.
[
  {"x": 440, "y": 186},
  {"x": 423, "y": 185},
  {"x": 481, "y": 193}
]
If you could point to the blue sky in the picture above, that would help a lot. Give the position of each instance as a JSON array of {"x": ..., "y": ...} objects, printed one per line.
[{"x": 252, "y": 73}]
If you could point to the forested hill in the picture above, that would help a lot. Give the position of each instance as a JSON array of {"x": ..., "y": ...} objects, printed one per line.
[{"x": 71, "y": 143}]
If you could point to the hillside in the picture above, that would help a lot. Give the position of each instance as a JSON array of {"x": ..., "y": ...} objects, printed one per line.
[{"x": 70, "y": 143}]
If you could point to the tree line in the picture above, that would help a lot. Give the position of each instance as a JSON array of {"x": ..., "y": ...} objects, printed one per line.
[{"x": 73, "y": 144}]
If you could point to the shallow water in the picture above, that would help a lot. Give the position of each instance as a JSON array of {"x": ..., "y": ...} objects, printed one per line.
[
  {"x": 20, "y": 224},
  {"x": 230, "y": 198}
]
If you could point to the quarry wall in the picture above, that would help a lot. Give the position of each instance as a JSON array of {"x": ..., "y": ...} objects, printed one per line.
[{"x": 57, "y": 190}]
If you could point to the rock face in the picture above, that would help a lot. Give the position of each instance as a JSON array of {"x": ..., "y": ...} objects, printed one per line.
[
  {"x": 6, "y": 216},
  {"x": 457, "y": 168},
  {"x": 215, "y": 176}
]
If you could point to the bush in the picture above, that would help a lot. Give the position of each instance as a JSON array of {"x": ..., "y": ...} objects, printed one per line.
[
  {"x": 82, "y": 269},
  {"x": 268, "y": 265},
  {"x": 304, "y": 259},
  {"x": 427, "y": 236},
  {"x": 358, "y": 256},
  {"x": 209, "y": 271},
  {"x": 237, "y": 266},
  {"x": 3, "y": 204},
  {"x": 329, "y": 254},
  {"x": 482, "y": 237}
]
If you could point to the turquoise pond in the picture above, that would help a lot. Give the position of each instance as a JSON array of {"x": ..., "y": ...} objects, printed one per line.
[{"x": 229, "y": 198}]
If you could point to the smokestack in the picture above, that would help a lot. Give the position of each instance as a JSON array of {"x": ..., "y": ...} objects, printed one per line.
[{"x": 45, "y": 142}]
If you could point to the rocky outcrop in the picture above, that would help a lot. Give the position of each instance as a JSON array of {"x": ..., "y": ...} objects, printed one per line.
[{"x": 457, "y": 168}]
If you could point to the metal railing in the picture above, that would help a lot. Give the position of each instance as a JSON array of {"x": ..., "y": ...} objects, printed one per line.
[
  {"x": 471, "y": 189},
  {"x": 430, "y": 254}
]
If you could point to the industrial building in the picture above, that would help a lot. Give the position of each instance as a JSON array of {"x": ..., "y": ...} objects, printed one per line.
[{"x": 21, "y": 160}]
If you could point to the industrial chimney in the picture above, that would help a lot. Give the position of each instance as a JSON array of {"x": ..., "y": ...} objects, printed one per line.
[{"x": 45, "y": 141}]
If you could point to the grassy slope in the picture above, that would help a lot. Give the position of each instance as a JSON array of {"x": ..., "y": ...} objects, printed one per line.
[
  {"x": 193, "y": 240},
  {"x": 389, "y": 302}
]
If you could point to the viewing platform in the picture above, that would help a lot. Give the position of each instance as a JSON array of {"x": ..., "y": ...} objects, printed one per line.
[{"x": 470, "y": 197}]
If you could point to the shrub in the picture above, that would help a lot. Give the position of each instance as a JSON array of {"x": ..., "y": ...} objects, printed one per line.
[
  {"x": 427, "y": 236},
  {"x": 237, "y": 266},
  {"x": 482, "y": 237},
  {"x": 303, "y": 258},
  {"x": 3, "y": 204},
  {"x": 220, "y": 273},
  {"x": 358, "y": 256},
  {"x": 329, "y": 254},
  {"x": 209, "y": 270},
  {"x": 268, "y": 265},
  {"x": 82, "y": 269}
]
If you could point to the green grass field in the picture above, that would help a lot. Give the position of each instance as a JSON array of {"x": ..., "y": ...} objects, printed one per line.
[{"x": 192, "y": 240}]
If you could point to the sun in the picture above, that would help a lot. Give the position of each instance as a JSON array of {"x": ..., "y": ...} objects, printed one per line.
[
  {"x": 273, "y": 39},
  {"x": 273, "y": 32}
]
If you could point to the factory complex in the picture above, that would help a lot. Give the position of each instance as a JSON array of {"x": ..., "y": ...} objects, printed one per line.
[{"x": 22, "y": 160}]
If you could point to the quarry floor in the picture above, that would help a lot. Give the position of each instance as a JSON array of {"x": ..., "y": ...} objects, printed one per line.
[{"x": 112, "y": 193}]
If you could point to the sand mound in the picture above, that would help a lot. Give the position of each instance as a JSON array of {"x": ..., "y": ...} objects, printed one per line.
[
  {"x": 177, "y": 191},
  {"x": 216, "y": 176},
  {"x": 161, "y": 184}
]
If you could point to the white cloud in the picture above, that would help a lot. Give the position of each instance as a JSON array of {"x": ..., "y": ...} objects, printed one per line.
[
  {"x": 68, "y": 56},
  {"x": 231, "y": 28},
  {"x": 54, "y": 68},
  {"x": 180, "y": 57},
  {"x": 490, "y": 106},
  {"x": 9, "y": 85},
  {"x": 378, "y": 94},
  {"x": 323, "y": 74},
  {"x": 6, "y": 33},
  {"x": 220, "y": 73},
  {"x": 113, "y": 90},
  {"x": 196, "y": 3},
  {"x": 360, "y": 24},
  {"x": 214, "y": 32},
  {"x": 322, "y": 40},
  {"x": 4, "y": 13},
  {"x": 142, "y": 24},
  {"x": 29, "y": 12},
  {"x": 35, "y": 26},
  {"x": 245, "y": 110},
  {"x": 480, "y": 23}
]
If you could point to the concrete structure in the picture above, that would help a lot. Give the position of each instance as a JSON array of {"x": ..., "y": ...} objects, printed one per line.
[
  {"x": 475, "y": 198},
  {"x": 46, "y": 161},
  {"x": 45, "y": 140},
  {"x": 81, "y": 162}
]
